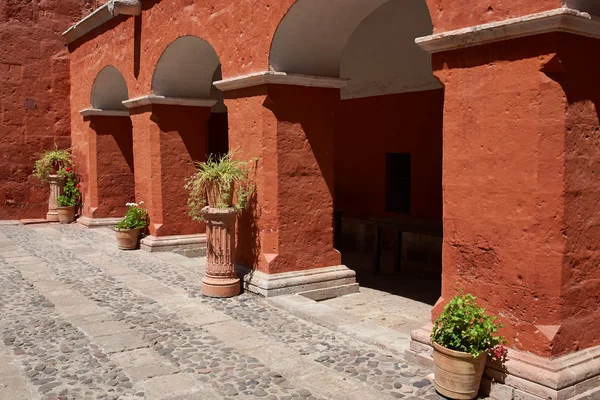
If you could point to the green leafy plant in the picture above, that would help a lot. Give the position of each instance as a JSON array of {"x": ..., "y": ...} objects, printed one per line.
[
  {"x": 464, "y": 326},
  {"x": 71, "y": 193},
  {"x": 136, "y": 217},
  {"x": 52, "y": 162},
  {"x": 219, "y": 178}
]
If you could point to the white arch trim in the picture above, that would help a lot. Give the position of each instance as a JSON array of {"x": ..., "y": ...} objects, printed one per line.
[
  {"x": 172, "y": 101},
  {"x": 279, "y": 78},
  {"x": 558, "y": 20}
]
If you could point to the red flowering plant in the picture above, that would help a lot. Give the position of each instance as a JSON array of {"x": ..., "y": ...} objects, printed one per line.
[
  {"x": 466, "y": 327},
  {"x": 52, "y": 162},
  {"x": 71, "y": 193}
]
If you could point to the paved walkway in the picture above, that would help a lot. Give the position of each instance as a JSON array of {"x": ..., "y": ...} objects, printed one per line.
[{"x": 82, "y": 320}]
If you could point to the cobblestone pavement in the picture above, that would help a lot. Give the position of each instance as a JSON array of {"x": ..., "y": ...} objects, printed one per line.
[{"x": 81, "y": 319}]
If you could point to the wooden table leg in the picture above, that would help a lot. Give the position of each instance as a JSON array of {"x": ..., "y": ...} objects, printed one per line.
[
  {"x": 377, "y": 252},
  {"x": 398, "y": 257}
]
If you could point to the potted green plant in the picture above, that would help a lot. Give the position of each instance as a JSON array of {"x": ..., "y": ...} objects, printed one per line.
[
  {"x": 211, "y": 200},
  {"x": 215, "y": 182},
  {"x": 68, "y": 200},
  {"x": 462, "y": 338},
  {"x": 128, "y": 230},
  {"x": 46, "y": 169}
]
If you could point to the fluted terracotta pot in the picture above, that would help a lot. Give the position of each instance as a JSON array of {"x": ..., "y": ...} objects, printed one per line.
[
  {"x": 215, "y": 195},
  {"x": 127, "y": 239},
  {"x": 221, "y": 279},
  {"x": 66, "y": 215},
  {"x": 57, "y": 184},
  {"x": 457, "y": 374}
]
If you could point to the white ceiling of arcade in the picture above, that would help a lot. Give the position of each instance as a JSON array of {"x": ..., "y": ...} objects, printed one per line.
[
  {"x": 186, "y": 69},
  {"x": 370, "y": 42},
  {"x": 109, "y": 90}
]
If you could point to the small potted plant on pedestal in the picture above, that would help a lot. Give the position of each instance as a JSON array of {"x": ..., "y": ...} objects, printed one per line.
[
  {"x": 68, "y": 200},
  {"x": 463, "y": 336},
  {"x": 46, "y": 169},
  {"x": 212, "y": 190},
  {"x": 128, "y": 230}
]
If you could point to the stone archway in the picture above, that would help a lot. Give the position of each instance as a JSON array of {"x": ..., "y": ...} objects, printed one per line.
[
  {"x": 391, "y": 106},
  {"x": 171, "y": 132}
]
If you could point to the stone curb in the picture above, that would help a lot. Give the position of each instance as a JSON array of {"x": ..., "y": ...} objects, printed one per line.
[{"x": 339, "y": 321}]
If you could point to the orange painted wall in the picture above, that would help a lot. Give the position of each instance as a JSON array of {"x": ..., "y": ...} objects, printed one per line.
[
  {"x": 368, "y": 128},
  {"x": 167, "y": 140},
  {"x": 520, "y": 187},
  {"x": 111, "y": 183}
]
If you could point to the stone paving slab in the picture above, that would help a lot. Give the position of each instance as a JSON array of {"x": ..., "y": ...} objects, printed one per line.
[
  {"x": 193, "y": 347},
  {"x": 12, "y": 384}
]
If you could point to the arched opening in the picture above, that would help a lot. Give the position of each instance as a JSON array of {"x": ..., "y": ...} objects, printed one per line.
[
  {"x": 388, "y": 136},
  {"x": 187, "y": 69},
  {"x": 109, "y": 90}
]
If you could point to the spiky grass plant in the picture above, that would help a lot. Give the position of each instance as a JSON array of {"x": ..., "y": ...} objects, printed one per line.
[{"x": 215, "y": 182}]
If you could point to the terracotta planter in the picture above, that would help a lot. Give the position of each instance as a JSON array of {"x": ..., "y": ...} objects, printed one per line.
[
  {"x": 214, "y": 195},
  {"x": 56, "y": 189},
  {"x": 457, "y": 374},
  {"x": 221, "y": 279},
  {"x": 127, "y": 239},
  {"x": 66, "y": 215}
]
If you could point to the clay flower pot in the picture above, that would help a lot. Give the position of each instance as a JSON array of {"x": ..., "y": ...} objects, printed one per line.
[
  {"x": 457, "y": 374},
  {"x": 127, "y": 239},
  {"x": 56, "y": 189},
  {"x": 66, "y": 215},
  {"x": 221, "y": 279}
]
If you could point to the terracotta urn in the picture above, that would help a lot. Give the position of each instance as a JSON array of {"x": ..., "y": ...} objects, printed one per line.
[
  {"x": 221, "y": 279},
  {"x": 457, "y": 374},
  {"x": 66, "y": 215},
  {"x": 56, "y": 189},
  {"x": 127, "y": 239}
]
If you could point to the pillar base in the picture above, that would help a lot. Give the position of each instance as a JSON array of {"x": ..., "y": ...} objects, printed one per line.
[
  {"x": 328, "y": 282},
  {"x": 215, "y": 287},
  {"x": 187, "y": 245},
  {"x": 98, "y": 222},
  {"x": 527, "y": 376},
  {"x": 52, "y": 216}
]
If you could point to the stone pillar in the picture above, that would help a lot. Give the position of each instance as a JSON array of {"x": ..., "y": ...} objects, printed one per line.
[
  {"x": 56, "y": 189},
  {"x": 286, "y": 237},
  {"x": 221, "y": 280},
  {"x": 167, "y": 140},
  {"x": 521, "y": 189},
  {"x": 110, "y": 182}
]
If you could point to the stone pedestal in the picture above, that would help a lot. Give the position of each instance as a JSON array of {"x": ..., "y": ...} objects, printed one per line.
[
  {"x": 221, "y": 279},
  {"x": 56, "y": 189}
]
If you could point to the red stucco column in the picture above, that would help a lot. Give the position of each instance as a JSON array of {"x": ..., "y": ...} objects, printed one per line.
[
  {"x": 167, "y": 140},
  {"x": 521, "y": 170},
  {"x": 110, "y": 182},
  {"x": 289, "y": 230}
]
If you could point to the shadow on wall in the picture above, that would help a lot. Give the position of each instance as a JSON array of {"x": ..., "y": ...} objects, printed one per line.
[
  {"x": 121, "y": 131},
  {"x": 578, "y": 76}
]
